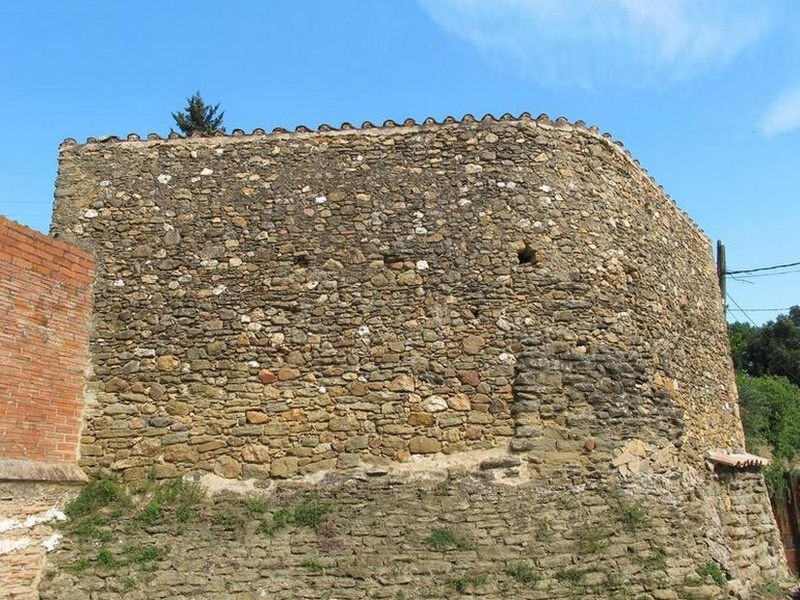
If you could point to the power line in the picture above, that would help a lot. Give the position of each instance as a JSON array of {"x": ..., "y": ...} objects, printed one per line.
[
  {"x": 794, "y": 264},
  {"x": 741, "y": 310},
  {"x": 758, "y": 309},
  {"x": 773, "y": 274}
]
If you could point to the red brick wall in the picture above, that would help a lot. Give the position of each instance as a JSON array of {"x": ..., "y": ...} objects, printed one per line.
[{"x": 45, "y": 299}]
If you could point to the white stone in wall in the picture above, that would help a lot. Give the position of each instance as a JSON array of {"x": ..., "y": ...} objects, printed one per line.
[
  {"x": 8, "y": 546},
  {"x": 435, "y": 404},
  {"x": 506, "y": 358},
  {"x": 51, "y": 542}
]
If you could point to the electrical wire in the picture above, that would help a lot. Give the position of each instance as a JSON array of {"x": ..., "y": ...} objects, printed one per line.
[
  {"x": 758, "y": 309},
  {"x": 773, "y": 274},
  {"x": 741, "y": 310},
  {"x": 794, "y": 264}
]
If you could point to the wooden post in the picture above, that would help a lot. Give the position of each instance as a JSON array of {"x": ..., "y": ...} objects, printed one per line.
[{"x": 721, "y": 268}]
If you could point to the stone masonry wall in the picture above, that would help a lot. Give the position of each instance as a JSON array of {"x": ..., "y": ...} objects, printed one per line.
[
  {"x": 272, "y": 305},
  {"x": 28, "y": 510},
  {"x": 332, "y": 306},
  {"x": 400, "y": 535},
  {"x": 45, "y": 299}
]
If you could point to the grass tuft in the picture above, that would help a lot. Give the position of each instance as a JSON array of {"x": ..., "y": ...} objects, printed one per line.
[
  {"x": 95, "y": 496},
  {"x": 444, "y": 539},
  {"x": 713, "y": 570},
  {"x": 522, "y": 572}
]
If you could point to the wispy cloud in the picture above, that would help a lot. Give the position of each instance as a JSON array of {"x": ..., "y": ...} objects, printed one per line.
[
  {"x": 591, "y": 42},
  {"x": 783, "y": 114}
]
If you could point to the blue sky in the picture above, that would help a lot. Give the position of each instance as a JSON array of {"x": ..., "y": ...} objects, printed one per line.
[{"x": 704, "y": 93}]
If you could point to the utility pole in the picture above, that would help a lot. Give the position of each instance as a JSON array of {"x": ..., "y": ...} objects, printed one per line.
[{"x": 721, "y": 268}]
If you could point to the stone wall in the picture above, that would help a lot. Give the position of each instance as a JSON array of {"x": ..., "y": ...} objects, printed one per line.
[
  {"x": 272, "y": 305},
  {"x": 359, "y": 302},
  {"x": 45, "y": 299},
  {"x": 487, "y": 533},
  {"x": 27, "y": 511}
]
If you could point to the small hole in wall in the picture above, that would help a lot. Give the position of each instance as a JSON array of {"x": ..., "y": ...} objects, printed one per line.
[{"x": 527, "y": 255}]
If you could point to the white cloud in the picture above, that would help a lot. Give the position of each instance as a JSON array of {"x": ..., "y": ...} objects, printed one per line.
[
  {"x": 783, "y": 114},
  {"x": 590, "y": 42}
]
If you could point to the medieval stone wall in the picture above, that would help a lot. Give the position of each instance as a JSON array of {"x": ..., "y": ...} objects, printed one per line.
[
  {"x": 514, "y": 297},
  {"x": 414, "y": 536},
  {"x": 270, "y": 305}
]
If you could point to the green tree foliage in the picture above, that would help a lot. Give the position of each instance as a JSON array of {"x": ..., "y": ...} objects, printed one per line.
[
  {"x": 767, "y": 360},
  {"x": 770, "y": 408},
  {"x": 773, "y": 349},
  {"x": 741, "y": 335},
  {"x": 197, "y": 117}
]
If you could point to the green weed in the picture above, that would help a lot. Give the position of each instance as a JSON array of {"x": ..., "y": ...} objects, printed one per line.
[
  {"x": 570, "y": 575},
  {"x": 590, "y": 539},
  {"x": 152, "y": 513},
  {"x": 444, "y": 539},
  {"x": 78, "y": 566},
  {"x": 106, "y": 559},
  {"x": 312, "y": 565},
  {"x": 772, "y": 589},
  {"x": 309, "y": 513},
  {"x": 257, "y": 505},
  {"x": 653, "y": 560},
  {"x": 522, "y": 572},
  {"x": 226, "y": 520},
  {"x": 88, "y": 527},
  {"x": 95, "y": 496},
  {"x": 184, "y": 513},
  {"x": 177, "y": 492},
  {"x": 631, "y": 516},
  {"x": 464, "y": 582},
  {"x": 713, "y": 570},
  {"x": 144, "y": 553}
]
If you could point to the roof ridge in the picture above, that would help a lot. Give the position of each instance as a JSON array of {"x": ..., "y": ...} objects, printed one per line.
[
  {"x": 543, "y": 120},
  {"x": 345, "y": 126}
]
